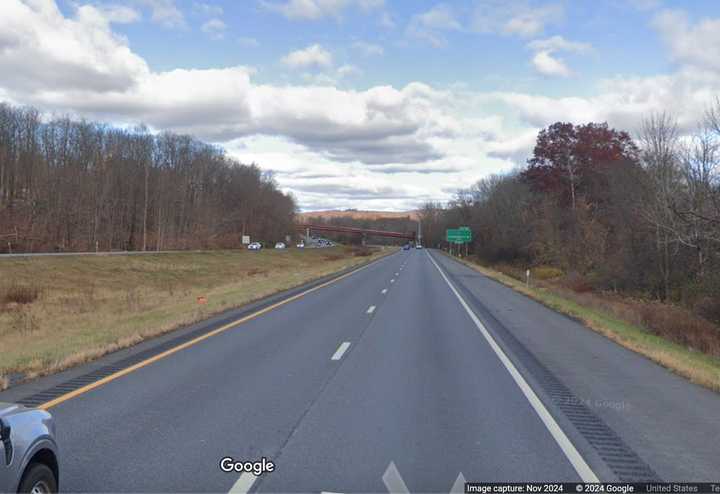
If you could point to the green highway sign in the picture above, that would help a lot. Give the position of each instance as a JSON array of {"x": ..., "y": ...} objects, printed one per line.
[{"x": 459, "y": 235}]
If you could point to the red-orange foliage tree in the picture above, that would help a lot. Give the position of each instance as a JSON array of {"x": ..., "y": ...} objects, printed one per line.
[{"x": 568, "y": 159}]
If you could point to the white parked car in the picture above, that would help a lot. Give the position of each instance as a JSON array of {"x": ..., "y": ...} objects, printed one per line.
[
  {"x": 280, "y": 245},
  {"x": 301, "y": 245},
  {"x": 255, "y": 246}
]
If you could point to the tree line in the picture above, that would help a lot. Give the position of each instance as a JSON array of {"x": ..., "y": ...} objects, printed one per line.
[
  {"x": 70, "y": 185},
  {"x": 638, "y": 216}
]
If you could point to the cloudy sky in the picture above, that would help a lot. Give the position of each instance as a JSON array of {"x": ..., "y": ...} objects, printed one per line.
[{"x": 370, "y": 104}]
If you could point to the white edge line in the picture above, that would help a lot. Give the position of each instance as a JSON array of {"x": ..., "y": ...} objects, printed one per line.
[
  {"x": 567, "y": 447},
  {"x": 341, "y": 350},
  {"x": 243, "y": 484},
  {"x": 371, "y": 309}
]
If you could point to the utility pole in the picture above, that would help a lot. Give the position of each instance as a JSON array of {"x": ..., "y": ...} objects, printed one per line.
[{"x": 419, "y": 235}]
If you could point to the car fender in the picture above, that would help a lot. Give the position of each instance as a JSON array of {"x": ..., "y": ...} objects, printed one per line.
[
  {"x": 42, "y": 443},
  {"x": 35, "y": 424}
]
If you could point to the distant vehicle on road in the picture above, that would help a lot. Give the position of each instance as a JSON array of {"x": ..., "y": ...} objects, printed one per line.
[
  {"x": 406, "y": 247},
  {"x": 300, "y": 245},
  {"x": 28, "y": 450},
  {"x": 418, "y": 246},
  {"x": 254, "y": 246},
  {"x": 280, "y": 245}
]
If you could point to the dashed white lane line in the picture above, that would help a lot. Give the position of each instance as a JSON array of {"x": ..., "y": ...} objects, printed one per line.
[
  {"x": 371, "y": 309},
  {"x": 397, "y": 274},
  {"x": 243, "y": 484},
  {"x": 392, "y": 280},
  {"x": 341, "y": 350},
  {"x": 567, "y": 447},
  {"x": 384, "y": 291}
]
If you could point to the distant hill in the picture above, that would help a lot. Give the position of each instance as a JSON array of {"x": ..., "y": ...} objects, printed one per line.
[{"x": 357, "y": 214}]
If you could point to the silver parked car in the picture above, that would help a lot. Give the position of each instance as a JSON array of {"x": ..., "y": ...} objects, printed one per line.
[{"x": 28, "y": 451}]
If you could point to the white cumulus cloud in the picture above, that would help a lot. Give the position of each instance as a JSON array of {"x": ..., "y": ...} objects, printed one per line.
[
  {"x": 695, "y": 45},
  {"x": 547, "y": 64},
  {"x": 164, "y": 12},
  {"x": 429, "y": 25},
  {"x": 311, "y": 56},
  {"x": 119, "y": 14},
  {"x": 215, "y": 28},
  {"x": 317, "y": 9},
  {"x": 515, "y": 17},
  {"x": 546, "y": 61}
]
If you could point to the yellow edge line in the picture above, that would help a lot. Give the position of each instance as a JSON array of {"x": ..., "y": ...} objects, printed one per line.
[{"x": 195, "y": 341}]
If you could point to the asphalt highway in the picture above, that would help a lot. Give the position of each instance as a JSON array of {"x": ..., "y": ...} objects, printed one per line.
[{"x": 412, "y": 374}]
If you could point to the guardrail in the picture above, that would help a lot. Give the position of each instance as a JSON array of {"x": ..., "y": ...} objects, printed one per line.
[{"x": 111, "y": 253}]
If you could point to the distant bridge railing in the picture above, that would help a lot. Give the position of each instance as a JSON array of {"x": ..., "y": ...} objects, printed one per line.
[{"x": 358, "y": 231}]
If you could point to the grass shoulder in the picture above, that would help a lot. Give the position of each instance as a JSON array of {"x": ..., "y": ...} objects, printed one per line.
[
  {"x": 58, "y": 312},
  {"x": 698, "y": 367}
]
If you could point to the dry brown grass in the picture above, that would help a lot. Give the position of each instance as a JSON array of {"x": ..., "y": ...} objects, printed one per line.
[
  {"x": 362, "y": 251},
  {"x": 20, "y": 294},
  {"x": 676, "y": 324},
  {"x": 90, "y": 306}
]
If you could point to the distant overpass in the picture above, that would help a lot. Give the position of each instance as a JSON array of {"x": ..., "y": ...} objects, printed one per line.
[{"x": 306, "y": 227}]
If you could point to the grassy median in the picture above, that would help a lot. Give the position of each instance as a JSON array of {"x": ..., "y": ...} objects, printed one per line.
[
  {"x": 696, "y": 366},
  {"x": 56, "y": 312}
]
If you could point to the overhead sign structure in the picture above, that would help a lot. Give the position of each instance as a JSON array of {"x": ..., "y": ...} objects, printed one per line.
[{"x": 460, "y": 235}]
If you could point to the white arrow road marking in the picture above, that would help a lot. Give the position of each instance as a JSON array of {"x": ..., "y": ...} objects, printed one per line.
[
  {"x": 341, "y": 350},
  {"x": 459, "y": 485},
  {"x": 243, "y": 484},
  {"x": 371, "y": 309},
  {"x": 567, "y": 447},
  {"x": 396, "y": 485},
  {"x": 393, "y": 481}
]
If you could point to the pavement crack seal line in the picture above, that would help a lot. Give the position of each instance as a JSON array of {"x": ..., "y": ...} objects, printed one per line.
[
  {"x": 567, "y": 447},
  {"x": 80, "y": 385},
  {"x": 276, "y": 457},
  {"x": 617, "y": 455}
]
